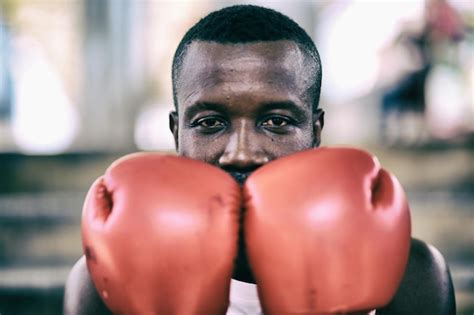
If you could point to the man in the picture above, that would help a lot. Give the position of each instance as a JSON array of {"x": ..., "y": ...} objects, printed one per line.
[{"x": 246, "y": 85}]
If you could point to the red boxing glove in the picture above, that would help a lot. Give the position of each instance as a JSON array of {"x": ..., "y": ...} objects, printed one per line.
[
  {"x": 327, "y": 230},
  {"x": 160, "y": 235}
]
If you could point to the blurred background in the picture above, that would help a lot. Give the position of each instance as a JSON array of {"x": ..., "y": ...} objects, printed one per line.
[{"x": 83, "y": 82}]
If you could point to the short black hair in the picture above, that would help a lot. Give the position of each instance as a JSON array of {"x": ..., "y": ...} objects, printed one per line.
[{"x": 247, "y": 24}]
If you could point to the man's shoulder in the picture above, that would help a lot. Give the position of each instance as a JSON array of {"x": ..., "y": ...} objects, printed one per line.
[
  {"x": 428, "y": 260},
  {"x": 426, "y": 286},
  {"x": 80, "y": 296}
]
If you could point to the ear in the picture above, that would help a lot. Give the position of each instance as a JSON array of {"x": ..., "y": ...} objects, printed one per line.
[
  {"x": 174, "y": 127},
  {"x": 318, "y": 124}
]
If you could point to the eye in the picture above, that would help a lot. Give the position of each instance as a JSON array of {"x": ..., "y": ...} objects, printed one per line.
[
  {"x": 209, "y": 124},
  {"x": 276, "y": 121}
]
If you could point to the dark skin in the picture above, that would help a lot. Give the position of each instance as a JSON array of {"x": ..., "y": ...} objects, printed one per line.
[
  {"x": 248, "y": 108},
  {"x": 241, "y": 106}
]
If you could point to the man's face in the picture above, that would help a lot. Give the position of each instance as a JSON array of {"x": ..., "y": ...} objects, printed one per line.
[{"x": 243, "y": 105}]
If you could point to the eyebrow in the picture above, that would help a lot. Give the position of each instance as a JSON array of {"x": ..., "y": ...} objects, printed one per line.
[
  {"x": 288, "y": 105},
  {"x": 218, "y": 107},
  {"x": 201, "y": 106}
]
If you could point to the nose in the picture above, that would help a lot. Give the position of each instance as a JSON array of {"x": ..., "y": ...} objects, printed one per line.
[{"x": 243, "y": 151}]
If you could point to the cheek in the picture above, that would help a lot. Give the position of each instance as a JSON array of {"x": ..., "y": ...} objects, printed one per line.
[
  {"x": 206, "y": 149},
  {"x": 302, "y": 139}
]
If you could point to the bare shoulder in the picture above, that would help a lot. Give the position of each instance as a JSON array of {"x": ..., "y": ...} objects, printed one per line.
[
  {"x": 426, "y": 287},
  {"x": 80, "y": 296}
]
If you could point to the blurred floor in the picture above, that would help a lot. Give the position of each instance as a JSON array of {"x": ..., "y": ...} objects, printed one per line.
[{"x": 41, "y": 200}]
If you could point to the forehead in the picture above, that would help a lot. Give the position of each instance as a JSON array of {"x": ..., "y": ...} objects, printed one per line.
[{"x": 262, "y": 67}]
